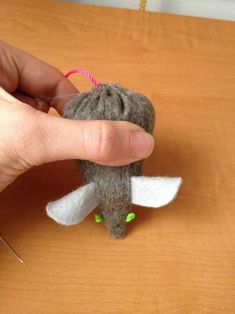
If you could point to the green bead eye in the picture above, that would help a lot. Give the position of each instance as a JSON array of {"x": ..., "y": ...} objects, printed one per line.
[
  {"x": 130, "y": 217},
  {"x": 99, "y": 218}
]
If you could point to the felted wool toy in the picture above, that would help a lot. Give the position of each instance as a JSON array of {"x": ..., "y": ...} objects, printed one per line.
[{"x": 112, "y": 189}]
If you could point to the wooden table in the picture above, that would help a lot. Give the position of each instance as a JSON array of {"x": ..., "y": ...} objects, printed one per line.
[{"x": 177, "y": 259}]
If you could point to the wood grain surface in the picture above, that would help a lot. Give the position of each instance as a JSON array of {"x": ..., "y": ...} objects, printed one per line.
[{"x": 176, "y": 259}]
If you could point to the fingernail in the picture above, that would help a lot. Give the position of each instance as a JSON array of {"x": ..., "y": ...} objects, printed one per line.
[{"x": 142, "y": 144}]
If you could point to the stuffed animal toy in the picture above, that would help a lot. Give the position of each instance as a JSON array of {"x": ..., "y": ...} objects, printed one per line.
[{"x": 112, "y": 189}]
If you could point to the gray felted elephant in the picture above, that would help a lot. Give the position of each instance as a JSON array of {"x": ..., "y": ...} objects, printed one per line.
[{"x": 112, "y": 189}]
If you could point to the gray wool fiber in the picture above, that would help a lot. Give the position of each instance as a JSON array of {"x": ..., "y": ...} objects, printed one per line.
[{"x": 112, "y": 102}]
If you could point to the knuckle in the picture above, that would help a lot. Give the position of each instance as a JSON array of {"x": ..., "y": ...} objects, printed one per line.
[{"x": 103, "y": 143}]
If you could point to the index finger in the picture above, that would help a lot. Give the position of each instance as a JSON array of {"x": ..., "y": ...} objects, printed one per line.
[{"x": 21, "y": 71}]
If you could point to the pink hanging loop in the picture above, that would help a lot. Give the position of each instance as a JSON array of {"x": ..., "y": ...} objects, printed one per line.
[{"x": 87, "y": 74}]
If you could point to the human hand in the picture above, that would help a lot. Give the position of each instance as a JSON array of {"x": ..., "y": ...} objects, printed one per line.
[{"x": 30, "y": 137}]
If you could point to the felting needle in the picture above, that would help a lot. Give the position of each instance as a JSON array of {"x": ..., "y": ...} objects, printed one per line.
[{"x": 11, "y": 249}]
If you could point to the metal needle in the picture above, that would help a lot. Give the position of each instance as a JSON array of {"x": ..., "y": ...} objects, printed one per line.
[{"x": 11, "y": 249}]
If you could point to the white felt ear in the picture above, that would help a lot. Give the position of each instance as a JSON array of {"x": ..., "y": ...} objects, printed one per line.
[
  {"x": 74, "y": 207},
  {"x": 154, "y": 191}
]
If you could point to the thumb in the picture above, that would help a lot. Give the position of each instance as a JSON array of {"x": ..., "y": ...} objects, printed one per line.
[{"x": 105, "y": 142}]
